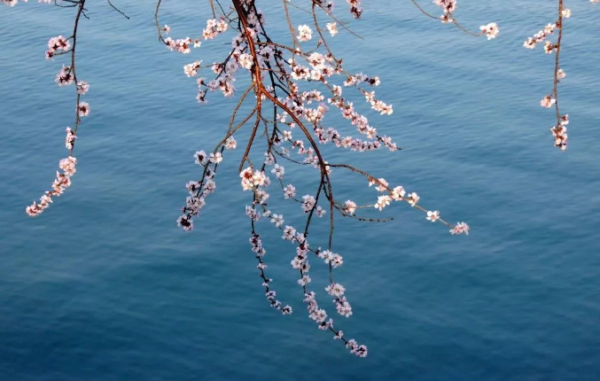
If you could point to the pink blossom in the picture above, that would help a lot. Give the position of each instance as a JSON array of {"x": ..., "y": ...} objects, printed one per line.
[
  {"x": 350, "y": 207},
  {"x": 460, "y": 228},
  {"x": 230, "y": 143},
  {"x": 304, "y": 33},
  {"x": 547, "y": 101},
  {"x": 82, "y": 87},
  {"x": 433, "y": 216},
  {"x": 332, "y": 28},
  {"x": 490, "y": 30},
  {"x": 83, "y": 109},
  {"x": 413, "y": 199}
]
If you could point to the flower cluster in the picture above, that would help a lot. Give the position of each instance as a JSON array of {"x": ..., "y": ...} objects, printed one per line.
[
  {"x": 355, "y": 8},
  {"x": 199, "y": 190},
  {"x": 191, "y": 70},
  {"x": 57, "y": 45},
  {"x": 460, "y": 228},
  {"x": 541, "y": 36},
  {"x": 213, "y": 29},
  {"x": 62, "y": 181},
  {"x": 64, "y": 76},
  {"x": 181, "y": 45},
  {"x": 251, "y": 179},
  {"x": 333, "y": 259},
  {"x": 448, "y": 6},
  {"x": 559, "y": 132},
  {"x": 257, "y": 247},
  {"x": 308, "y": 203},
  {"x": 396, "y": 194}
]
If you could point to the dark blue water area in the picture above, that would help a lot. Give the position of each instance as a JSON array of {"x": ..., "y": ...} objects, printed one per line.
[{"x": 104, "y": 285}]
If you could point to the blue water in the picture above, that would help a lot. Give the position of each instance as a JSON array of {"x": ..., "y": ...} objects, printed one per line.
[{"x": 104, "y": 285}]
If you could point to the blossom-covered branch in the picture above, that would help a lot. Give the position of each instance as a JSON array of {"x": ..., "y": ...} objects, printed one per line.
[
  {"x": 58, "y": 46},
  {"x": 559, "y": 131},
  {"x": 448, "y": 7},
  {"x": 297, "y": 87}
]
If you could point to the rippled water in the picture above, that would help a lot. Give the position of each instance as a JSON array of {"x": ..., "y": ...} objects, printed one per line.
[{"x": 105, "y": 286}]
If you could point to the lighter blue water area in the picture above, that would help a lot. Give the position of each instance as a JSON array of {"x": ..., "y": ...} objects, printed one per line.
[{"x": 104, "y": 286}]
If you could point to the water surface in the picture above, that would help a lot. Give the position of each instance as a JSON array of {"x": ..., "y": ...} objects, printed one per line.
[{"x": 105, "y": 286}]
